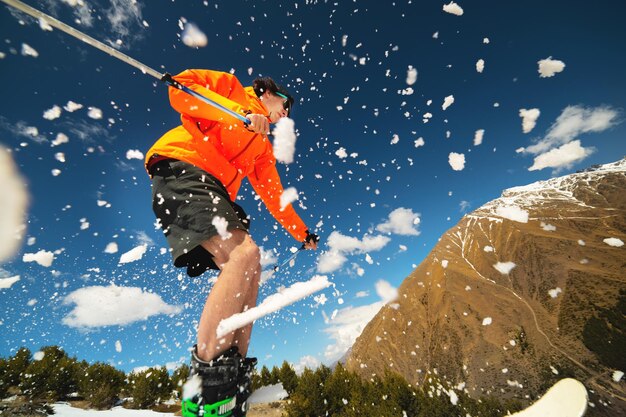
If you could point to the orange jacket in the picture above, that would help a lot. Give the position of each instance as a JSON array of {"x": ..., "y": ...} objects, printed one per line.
[{"x": 221, "y": 145}]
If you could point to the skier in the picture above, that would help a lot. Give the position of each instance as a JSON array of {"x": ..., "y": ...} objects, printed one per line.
[{"x": 196, "y": 171}]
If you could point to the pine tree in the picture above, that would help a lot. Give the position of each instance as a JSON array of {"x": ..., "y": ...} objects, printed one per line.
[
  {"x": 274, "y": 376},
  {"x": 179, "y": 377},
  {"x": 151, "y": 387},
  {"x": 288, "y": 378},
  {"x": 308, "y": 398},
  {"x": 101, "y": 385},
  {"x": 53, "y": 377},
  {"x": 15, "y": 367},
  {"x": 266, "y": 377}
]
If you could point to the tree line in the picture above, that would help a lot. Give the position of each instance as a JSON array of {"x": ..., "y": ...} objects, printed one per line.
[{"x": 51, "y": 375}]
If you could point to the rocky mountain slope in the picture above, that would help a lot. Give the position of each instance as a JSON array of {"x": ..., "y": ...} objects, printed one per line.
[{"x": 528, "y": 289}]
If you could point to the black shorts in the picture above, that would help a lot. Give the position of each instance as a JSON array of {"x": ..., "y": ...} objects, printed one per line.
[{"x": 185, "y": 200}]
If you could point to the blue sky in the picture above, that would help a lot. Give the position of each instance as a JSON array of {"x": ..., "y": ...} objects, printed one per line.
[{"x": 347, "y": 65}]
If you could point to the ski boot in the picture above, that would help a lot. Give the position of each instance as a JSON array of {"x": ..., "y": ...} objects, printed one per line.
[
  {"x": 212, "y": 386},
  {"x": 244, "y": 384}
]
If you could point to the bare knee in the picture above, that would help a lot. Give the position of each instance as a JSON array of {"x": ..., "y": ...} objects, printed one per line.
[{"x": 250, "y": 251}]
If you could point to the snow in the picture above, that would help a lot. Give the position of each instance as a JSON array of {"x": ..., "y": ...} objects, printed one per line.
[
  {"x": 341, "y": 153},
  {"x": 273, "y": 303},
  {"x": 111, "y": 248},
  {"x": 193, "y": 37},
  {"x": 134, "y": 154},
  {"x": 52, "y": 113},
  {"x": 613, "y": 241},
  {"x": 504, "y": 267},
  {"x": 66, "y": 410},
  {"x": 529, "y": 119},
  {"x": 567, "y": 398},
  {"x": 453, "y": 8},
  {"x": 513, "y": 213},
  {"x": 617, "y": 376},
  {"x": 456, "y": 161},
  {"x": 268, "y": 394},
  {"x": 547, "y": 227},
  {"x": 43, "y": 258},
  {"x": 39, "y": 355},
  {"x": 134, "y": 254},
  {"x": 60, "y": 139},
  {"x": 8, "y": 282},
  {"x": 284, "y": 140},
  {"x": 94, "y": 113},
  {"x": 555, "y": 292},
  {"x": 13, "y": 206},
  {"x": 549, "y": 67},
  {"x": 99, "y": 306},
  {"x": 72, "y": 106},
  {"x": 288, "y": 196},
  {"x": 447, "y": 102},
  {"x": 221, "y": 225},
  {"x": 478, "y": 137},
  {"x": 487, "y": 321},
  {"x": 411, "y": 75},
  {"x": 28, "y": 50},
  {"x": 480, "y": 65}
]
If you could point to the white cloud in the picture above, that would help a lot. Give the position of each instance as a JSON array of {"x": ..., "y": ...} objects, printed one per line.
[
  {"x": 548, "y": 67},
  {"x": 348, "y": 323},
  {"x": 308, "y": 361},
  {"x": 193, "y": 37},
  {"x": 447, "y": 102},
  {"x": 453, "y": 8},
  {"x": 126, "y": 21},
  {"x": 284, "y": 140},
  {"x": 401, "y": 221},
  {"x": 529, "y": 119},
  {"x": 13, "y": 206},
  {"x": 456, "y": 161},
  {"x": 43, "y": 258},
  {"x": 99, "y": 306},
  {"x": 268, "y": 257},
  {"x": 341, "y": 245},
  {"x": 134, "y": 254},
  {"x": 563, "y": 157}
]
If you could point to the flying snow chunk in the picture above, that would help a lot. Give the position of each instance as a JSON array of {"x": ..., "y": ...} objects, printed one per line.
[
  {"x": 395, "y": 139},
  {"x": 221, "y": 224},
  {"x": 134, "y": 154},
  {"x": 53, "y": 113},
  {"x": 419, "y": 142},
  {"x": 453, "y": 8},
  {"x": 478, "y": 137},
  {"x": 193, "y": 37},
  {"x": 39, "y": 355},
  {"x": 548, "y": 67},
  {"x": 411, "y": 75},
  {"x": 341, "y": 153},
  {"x": 514, "y": 213},
  {"x": 28, "y": 50},
  {"x": 44, "y": 25},
  {"x": 268, "y": 394},
  {"x": 529, "y": 119},
  {"x": 72, "y": 107},
  {"x": 555, "y": 292},
  {"x": 447, "y": 102},
  {"x": 505, "y": 267},
  {"x": 118, "y": 346},
  {"x": 617, "y": 375},
  {"x": 487, "y": 321},
  {"x": 456, "y": 161},
  {"x": 284, "y": 140},
  {"x": 613, "y": 241},
  {"x": 111, "y": 248},
  {"x": 134, "y": 254},
  {"x": 480, "y": 65},
  {"x": 288, "y": 196},
  {"x": 94, "y": 113},
  {"x": 8, "y": 282},
  {"x": 43, "y": 258},
  {"x": 13, "y": 206}
]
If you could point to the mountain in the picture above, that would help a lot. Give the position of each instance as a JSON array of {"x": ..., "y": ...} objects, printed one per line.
[{"x": 526, "y": 290}]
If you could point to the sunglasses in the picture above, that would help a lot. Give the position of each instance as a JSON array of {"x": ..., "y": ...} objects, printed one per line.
[{"x": 286, "y": 102}]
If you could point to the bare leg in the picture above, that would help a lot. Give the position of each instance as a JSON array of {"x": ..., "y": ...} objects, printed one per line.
[{"x": 236, "y": 287}]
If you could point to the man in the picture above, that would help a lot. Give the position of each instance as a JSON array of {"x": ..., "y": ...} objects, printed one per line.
[{"x": 196, "y": 172}]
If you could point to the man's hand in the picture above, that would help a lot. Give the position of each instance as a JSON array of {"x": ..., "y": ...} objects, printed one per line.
[
  {"x": 311, "y": 241},
  {"x": 258, "y": 123}
]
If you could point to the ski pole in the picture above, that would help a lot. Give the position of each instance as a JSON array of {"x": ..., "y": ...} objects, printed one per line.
[
  {"x": 286, "y": 261},
  {"x": 166, "y": 78}
]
